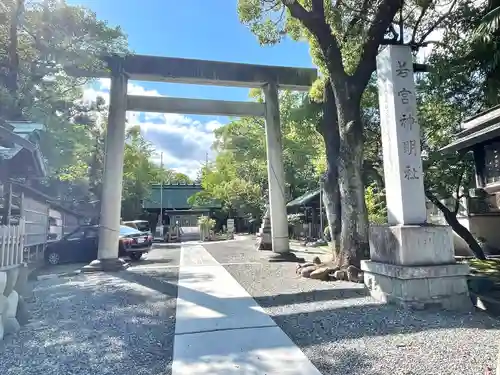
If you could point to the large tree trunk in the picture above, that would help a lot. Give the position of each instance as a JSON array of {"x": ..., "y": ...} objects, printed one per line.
[
  {"x": 329, "y": 129},
  {"x": 354, "y": 234},
  {"x": 463, "y": 232}
]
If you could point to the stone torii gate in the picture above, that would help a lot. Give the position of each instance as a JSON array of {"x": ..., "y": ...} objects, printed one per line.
[{"x": 178, "y": 70}]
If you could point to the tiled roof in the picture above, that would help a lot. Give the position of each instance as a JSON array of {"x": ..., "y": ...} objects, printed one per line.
[
  {"x": 29, "y": 131},
  {"x": 304, "y": 199}
]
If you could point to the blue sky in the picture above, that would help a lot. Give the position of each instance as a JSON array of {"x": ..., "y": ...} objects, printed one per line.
[{"x": 200, "y": 29}]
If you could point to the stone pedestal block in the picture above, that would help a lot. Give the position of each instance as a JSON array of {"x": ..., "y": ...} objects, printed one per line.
[
  {"x": 21, "y": 285},
  {"x": 414, "y": 266},
  {"x": 412, "y": 245},
  {"x": 106, "y": 265},
  {"x": 11, "y": 326},
  {"x": 419, "y": 287},
  {"x": 11, "y": 308},
  {"x": 3, "y": 283},
  {"x": 265, "y": 240},
  {"x": 3, "y": 307},
  {"x": 12, "y": 275},
  {"x": 10, "y": 323}
]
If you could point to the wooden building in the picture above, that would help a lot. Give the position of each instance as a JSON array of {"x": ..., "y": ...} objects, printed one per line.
[
  {"x": 168, "y": 204},
  {"x": 480, "y": 209},
  {"x": 308, "y": 207}
]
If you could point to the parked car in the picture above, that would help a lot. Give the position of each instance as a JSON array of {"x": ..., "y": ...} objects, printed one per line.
[
  {"x": 81, "y": 245},
  {"x": 140, "y": 225}
]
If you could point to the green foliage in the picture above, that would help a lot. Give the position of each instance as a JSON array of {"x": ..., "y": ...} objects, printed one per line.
[
  {"x": 238, "y": 176},
  {"x": 294, "y": 219},
  {"x": 206, "y": 223},
  {"x": 38, "y": 40},
  {"x": 375, "y": 205}
]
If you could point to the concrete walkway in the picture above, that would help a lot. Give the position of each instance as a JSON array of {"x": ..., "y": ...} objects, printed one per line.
[{"x": 220, "y": 329}]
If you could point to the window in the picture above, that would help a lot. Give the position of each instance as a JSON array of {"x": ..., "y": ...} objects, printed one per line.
[
  {"x": 91, "y": 233},
  {"x": 492, "y": 162},
  {"x": 76, "y": 235},
  {"x": 124, "y": 230},
  {"x": 143, "y": 226}
]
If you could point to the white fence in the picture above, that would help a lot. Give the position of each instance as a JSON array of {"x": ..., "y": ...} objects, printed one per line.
[{"x": 11, "y": 244}]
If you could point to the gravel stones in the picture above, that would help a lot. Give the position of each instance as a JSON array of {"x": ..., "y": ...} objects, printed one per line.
[
  {"x": 97, "y": 324},
  {"x": 344, "y": 331}
]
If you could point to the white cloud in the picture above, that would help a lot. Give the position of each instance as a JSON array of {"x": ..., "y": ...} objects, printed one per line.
[{"x": 183, "y": 140}]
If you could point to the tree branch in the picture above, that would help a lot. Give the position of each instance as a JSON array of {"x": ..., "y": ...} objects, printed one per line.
[
  {"x": 315, "y": 22},
  {"x": 437, "y": 23},
  {"x": 459, "y": 229},
  {"x": 383, "y": 18},
  {"x": 420, "y": 18},
  {"x": 457, "y": 192},
  {"x": 318, "y": 7},
  {"x": 298, "y": 11},
  {"x": 356, "y": 19}
]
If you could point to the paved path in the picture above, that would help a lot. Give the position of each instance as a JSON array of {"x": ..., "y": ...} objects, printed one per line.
[{"x": 221, "y": 330}]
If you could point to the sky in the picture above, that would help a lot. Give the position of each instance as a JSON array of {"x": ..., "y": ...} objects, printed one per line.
[{"x": 198, "y": 29}]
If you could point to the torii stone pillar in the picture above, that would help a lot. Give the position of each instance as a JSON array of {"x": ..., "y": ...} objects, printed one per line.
[
  {"x": 109, "y": 223},
  {"x": 412, "y": 263},
  {"x": 275, "y": 172}
]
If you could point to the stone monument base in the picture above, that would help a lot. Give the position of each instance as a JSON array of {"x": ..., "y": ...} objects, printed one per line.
[
  {"x": 264, "y": 239},
  {"x": 419, "y": 287},
  {"x": 106, "y": 265},
  {"x": 414, "y": 266}
]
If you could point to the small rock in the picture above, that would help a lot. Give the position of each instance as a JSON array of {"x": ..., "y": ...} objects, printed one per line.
[
  {"x": 306, "y": 264},
  {"x": 340, "y": 275},
  {"x": 320, "y": 273},
  {"x": 316, "y": 260},
  {"x": 306, "y": 271},
  {"x": 354, "y": 274}
]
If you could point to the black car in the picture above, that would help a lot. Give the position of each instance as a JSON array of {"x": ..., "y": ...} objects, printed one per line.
[
  {"x": 142, "y": 226},
  {"x": 81, "y": 245}
]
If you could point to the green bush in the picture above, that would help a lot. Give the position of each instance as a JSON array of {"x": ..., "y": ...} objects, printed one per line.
[{"x": 206, "y": 222}]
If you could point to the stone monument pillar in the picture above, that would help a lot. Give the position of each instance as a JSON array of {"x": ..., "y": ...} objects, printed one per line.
[
  {"x": 411, "y": 262},
  {"x": 264, "y": 239}
]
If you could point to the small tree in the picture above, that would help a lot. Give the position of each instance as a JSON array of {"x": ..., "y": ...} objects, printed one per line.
[{"x": 206, "y": 224}]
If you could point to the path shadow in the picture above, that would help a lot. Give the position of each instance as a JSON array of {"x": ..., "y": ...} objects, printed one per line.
[
  {"x": 312, "y": 329},
  {"x": 312, "y": 296},
  {"x": 149, "y": 261}
]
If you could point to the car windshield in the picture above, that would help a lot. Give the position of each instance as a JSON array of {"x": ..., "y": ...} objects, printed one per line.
[
  {"x": 142, "y": 226},
  {"x": 125, "y": 231}
]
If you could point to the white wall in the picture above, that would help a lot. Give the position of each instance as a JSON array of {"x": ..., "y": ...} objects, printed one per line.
[{"x": 58, "y": 227}]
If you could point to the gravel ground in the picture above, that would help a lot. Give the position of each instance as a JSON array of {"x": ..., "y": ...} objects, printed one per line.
[
  {"x": 343, "y": 331},
  {"x": 120, "y": 323}
]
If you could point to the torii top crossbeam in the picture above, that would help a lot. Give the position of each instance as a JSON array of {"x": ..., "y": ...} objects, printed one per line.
[{"x": 203, "y": 72}]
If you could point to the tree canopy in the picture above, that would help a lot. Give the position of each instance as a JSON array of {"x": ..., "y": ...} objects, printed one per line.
[{"x": 38, "y": 41}]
